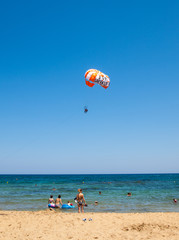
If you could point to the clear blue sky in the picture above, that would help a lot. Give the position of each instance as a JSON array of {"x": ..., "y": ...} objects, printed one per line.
[{"x": 45, "y": 49}]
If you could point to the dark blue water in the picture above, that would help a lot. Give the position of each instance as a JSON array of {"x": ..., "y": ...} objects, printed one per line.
[{"x": 150, "y": 192}]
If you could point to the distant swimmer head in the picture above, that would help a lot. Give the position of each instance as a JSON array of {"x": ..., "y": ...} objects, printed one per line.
[
  {"x": 175, "y": 200},
  {"x": 129, "y": 194}
]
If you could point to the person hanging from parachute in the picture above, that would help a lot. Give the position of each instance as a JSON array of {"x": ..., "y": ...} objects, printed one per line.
[
  {"x": 93, "y": 76},
  {"x": 85, "y": 109}
]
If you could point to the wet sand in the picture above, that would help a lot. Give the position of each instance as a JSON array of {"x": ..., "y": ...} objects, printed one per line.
[{"x": 53, "y": 225}]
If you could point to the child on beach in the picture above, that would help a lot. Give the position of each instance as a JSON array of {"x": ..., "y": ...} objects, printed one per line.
[{"x": 69, "y": 203}]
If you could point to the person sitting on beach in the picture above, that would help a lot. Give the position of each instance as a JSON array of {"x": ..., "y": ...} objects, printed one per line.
[
  {"x": 51, "y": 200},
  {"x": 80, "y": 200},
  {"x": 58, "y": 201}
]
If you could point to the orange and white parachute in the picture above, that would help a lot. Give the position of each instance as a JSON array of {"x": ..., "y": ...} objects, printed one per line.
[{"x": 93, "y": 76}]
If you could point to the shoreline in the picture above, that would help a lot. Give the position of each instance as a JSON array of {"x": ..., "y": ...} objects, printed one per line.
[
  {"x": 46, "y": 224},
  {"x": 72, "y": 211}
]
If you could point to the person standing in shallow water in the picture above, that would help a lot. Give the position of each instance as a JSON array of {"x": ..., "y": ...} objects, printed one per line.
[{"x": 81, "y": 201}]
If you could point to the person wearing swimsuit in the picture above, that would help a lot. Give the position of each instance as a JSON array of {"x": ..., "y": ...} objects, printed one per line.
[
  {"x": 51, "y": 200},
  {"x": 80, "y": 200},
  {"x": 58, "y": 201}
]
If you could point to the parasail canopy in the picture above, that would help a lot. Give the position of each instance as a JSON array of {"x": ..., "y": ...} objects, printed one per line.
[{"x": 93, "y": 76}]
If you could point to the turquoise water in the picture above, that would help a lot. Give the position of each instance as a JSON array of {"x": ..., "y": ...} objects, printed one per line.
[{"x": 150, "y": 192}]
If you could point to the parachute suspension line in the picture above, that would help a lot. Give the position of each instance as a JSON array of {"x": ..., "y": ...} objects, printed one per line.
[{"x": 92, "y": 77}]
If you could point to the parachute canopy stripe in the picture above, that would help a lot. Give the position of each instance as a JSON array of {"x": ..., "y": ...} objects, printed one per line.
[{"x": 90, "y": 84}]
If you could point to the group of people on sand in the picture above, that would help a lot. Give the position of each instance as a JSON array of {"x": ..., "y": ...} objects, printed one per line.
[{"x": 80, "y": 200}]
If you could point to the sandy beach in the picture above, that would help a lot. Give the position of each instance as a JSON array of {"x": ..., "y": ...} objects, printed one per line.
[{"x": 59, "y": 225}]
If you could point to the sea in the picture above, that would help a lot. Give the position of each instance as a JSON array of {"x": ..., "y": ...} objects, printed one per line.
[{"x": 149, "y": 192}]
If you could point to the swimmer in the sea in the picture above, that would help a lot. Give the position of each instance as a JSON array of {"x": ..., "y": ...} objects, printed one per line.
[
  {"x": 129, "y": 194},
  {"x": 175, "y": 200},
  {"x": 69, "y": 203},
  {"x": 58, "y": 201},
  {"x": 51, "y": 200}
]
